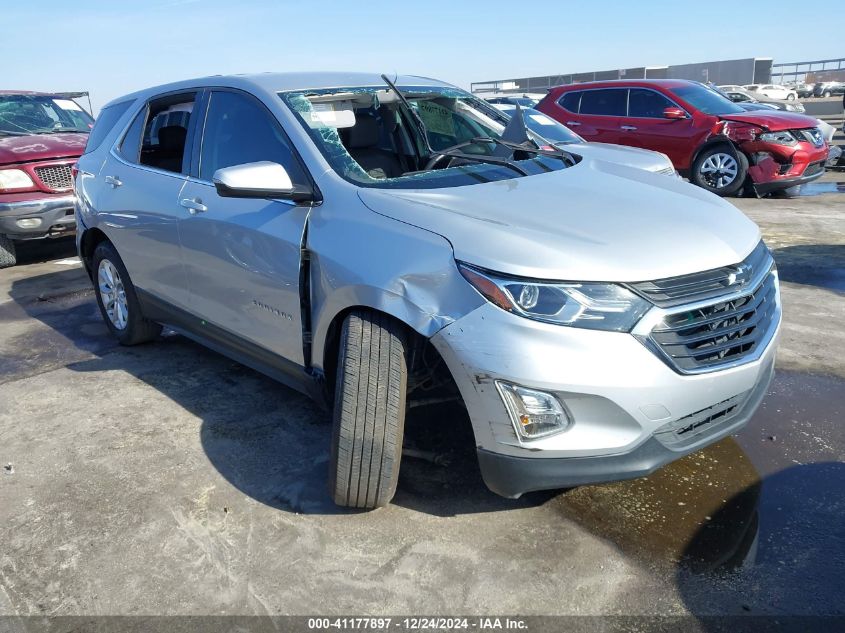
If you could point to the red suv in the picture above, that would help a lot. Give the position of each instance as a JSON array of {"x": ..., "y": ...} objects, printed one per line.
[
  {"x": 41, "y": 136},
  {"x": 710, "y": 140}
]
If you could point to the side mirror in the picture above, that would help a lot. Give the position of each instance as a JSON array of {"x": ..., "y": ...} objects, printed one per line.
[
  {"x": 674, "y": 113},
  {"x": 263, "y": 179}
]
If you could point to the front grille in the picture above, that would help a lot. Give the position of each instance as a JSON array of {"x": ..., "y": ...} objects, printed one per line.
[
  {"x": 707, "y": 337},
  {"x": 674, "y": 291},
  {"x": 814, "y": 168},
  {"x": 55, "y": 177},
  {"x": 690, "y": 428}
]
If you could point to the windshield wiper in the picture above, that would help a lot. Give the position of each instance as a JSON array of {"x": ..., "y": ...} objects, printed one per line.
[
  {"x": 414, "y": 115},
  {"x": 555, "y": 152},
  {"x": 8, "y": 133},
  {"x": 453, "y": 152}
]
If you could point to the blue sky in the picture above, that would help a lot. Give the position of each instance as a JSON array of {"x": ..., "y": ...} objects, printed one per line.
[{"x": 111, "y": 48}]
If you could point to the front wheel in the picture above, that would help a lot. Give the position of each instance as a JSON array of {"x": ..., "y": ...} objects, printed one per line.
[
  {"x": 8, "y": 255},
  {"x": 369, "y": 410},
  {"x": 720, "y": 169},
  {"x": 790, "y": 97},
  {"x": 118, "y": 300},
  {"x": 826, "y": 94}
]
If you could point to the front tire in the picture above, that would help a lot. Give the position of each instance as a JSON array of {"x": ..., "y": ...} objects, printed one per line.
[
  {"x": 8, "y": 254},
  {"x": 790, "y": 97},
  {"x": 118, "y": 300},
  {"x": 369, "y": 410},
  {"x": 720, "y": 169},
  {"x": 826, "y": 94}
]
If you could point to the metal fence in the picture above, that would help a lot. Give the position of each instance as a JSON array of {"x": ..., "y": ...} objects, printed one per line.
[{"x": 809, "y": 72}]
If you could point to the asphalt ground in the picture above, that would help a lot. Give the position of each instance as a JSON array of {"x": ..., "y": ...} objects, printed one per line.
[{"x": 167, "y": 479}]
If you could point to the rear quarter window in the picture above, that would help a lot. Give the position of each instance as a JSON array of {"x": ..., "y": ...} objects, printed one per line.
[
  {"x": 570, "y": 101},
  {"x": 104, "y": 124}
]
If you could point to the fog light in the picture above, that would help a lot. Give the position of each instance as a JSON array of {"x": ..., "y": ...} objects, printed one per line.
[
  {"x": 534, "y": 414},
  {"x": 29, "y": 223}
]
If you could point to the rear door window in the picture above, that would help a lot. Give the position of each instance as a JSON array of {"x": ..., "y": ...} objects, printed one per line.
[
  {"x": 166, "y": 133},
  {"x": 605, "y": 102},
  {"x": 644, "y": 103}
]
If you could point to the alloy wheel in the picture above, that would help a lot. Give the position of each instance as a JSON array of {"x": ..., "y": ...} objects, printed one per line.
[
  {"x": 113, "y": 294},
  {"x": 719, "y": 170}
]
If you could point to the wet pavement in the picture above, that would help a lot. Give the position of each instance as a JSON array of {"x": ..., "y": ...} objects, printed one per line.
[{"x": 168, "y": 479}]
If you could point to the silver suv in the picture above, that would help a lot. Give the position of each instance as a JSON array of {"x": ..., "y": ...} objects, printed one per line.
[{"x": 371, "y": 242}]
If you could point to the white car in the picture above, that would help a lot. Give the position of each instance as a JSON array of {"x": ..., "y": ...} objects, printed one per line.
[
  {"x": 558, "y": 134},
  {"x": 773, "y": 91}
]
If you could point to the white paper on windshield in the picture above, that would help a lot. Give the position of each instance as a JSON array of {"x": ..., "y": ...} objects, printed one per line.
[
  {"x": 324, "y": 115},
  {"x": 67, "y": 104},
  {"x": 542, "y": 120},
  {"x": 437, "y": 119}
]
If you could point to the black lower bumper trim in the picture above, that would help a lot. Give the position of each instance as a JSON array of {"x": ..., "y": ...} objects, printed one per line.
[{"x": 763, "y": 188}]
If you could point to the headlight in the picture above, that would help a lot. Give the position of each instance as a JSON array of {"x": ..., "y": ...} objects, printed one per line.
[
  {"x": 596, "y": 306},
  {"x": 781, "y": 138},
  {"x": 15, "y": 179}
]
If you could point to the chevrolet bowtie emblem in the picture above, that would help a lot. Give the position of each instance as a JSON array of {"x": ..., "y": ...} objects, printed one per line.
[{"x": 740, "y": 276}]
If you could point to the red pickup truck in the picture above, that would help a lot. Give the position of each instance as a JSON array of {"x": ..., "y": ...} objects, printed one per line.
[{"x": 41, "y": 137}]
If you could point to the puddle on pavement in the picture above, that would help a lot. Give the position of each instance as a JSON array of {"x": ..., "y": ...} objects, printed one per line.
[
  {"x": 771, "y": 497},
  {"x": 816, "y": 189}
]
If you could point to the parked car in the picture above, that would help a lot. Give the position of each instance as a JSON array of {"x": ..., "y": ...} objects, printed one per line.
[
  {"x": 740, "y": 95},
  {"x": 41, "y": 136},
  {"x": 829, "y": 88},
  {"x": 560, "y": 135},
  {"x": 524, "y": 100},
  {"x": 374, "y": 246},
  {"x": 773, "y": 91},
  {"x": 803, "y": 90},
  {"x": 715, "y": 143}
]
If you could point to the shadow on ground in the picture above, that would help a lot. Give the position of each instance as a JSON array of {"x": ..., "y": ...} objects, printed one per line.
[{"x": 820, "y": 265}]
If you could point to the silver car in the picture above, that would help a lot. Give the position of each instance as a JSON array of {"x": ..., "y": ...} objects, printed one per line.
[{"x": 373, "y": 242}]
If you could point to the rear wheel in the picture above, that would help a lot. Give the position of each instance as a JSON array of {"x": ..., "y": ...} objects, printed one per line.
[
  {"x": 8, "y": 256},
  {"x": 369, "y": 410},
  {"x": 118, "y": 300},
  {"x": 720, "y": 169},
  {"x": 790, "y": 97},
  {"x": 826, "y": 94}
]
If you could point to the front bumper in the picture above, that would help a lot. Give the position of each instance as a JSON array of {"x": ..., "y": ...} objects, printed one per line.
[
  {"x": 775, "y": 167},
  {"x": 55, "y": 214},
  {"x": 626, "y": 402}
]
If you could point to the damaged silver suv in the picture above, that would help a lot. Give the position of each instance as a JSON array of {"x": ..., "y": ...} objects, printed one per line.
[{"x": 367, "y": 241}]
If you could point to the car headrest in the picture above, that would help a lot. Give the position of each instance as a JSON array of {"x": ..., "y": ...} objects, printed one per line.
[
  {"x": 172, "y": 137},
  {"x": 364, "y": 133}
]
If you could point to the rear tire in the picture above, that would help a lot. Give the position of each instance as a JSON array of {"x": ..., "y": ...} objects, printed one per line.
[
  {"x": 826, "y": 94},
  {"x": 790, "y": 97},
  {"x": 8, "y": 254},
  {"x": 716, "y": 160},
  {"x": 118, "y": 300},
  {"x": 369, "y": 410}
]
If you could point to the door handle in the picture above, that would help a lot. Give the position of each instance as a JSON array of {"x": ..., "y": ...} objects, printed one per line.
[
  {"x": 572, "y": 123},
  {"x": 193, "y": 205},
  {"x": 114, "y": 181},
  {"x": 628, "y": 127}
]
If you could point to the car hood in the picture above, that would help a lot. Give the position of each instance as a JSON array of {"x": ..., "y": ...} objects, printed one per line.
[
  {"x": 21, "y": 149},
  {"x": 631, "y": 156},
  {"x": 773, "y": 120},
  {"x": 596, "y": 221}
]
